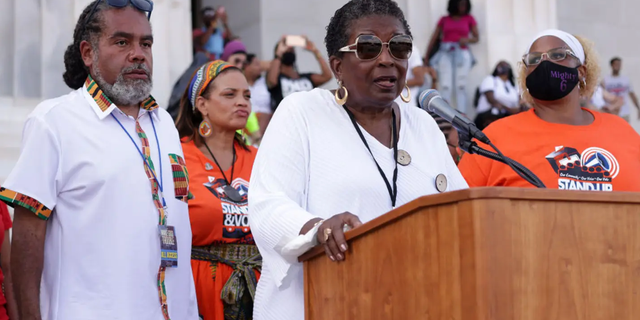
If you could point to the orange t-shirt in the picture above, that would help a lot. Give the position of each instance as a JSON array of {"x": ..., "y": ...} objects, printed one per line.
[
  {"x": 602, "y": 156},
  {"x": 216, "y": 220}
]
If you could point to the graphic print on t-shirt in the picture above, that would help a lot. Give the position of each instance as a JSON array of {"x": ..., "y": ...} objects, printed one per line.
[
  {"x": 593, "y": 169},
  {"x": 290, "y": 86},
  {"x": 235, "y": 222}
]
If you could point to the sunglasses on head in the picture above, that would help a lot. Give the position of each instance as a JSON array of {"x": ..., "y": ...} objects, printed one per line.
[
  {"x": 369, "y": 47},
  {"x": 557, "y": 54},
  {"x": 142, "y": 5}
]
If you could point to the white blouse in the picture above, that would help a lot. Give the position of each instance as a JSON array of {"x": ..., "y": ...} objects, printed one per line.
[{"x": 311, "y": 164}]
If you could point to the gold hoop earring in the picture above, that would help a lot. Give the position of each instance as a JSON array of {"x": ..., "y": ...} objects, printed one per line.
[
  {"x": 343, "y": 100},
  {"x": 406, "y": 99},
  {"x": 205, "y": 128}
]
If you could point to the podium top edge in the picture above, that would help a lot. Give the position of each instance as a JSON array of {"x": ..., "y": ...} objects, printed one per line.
[{"x": 506, "y": 193}]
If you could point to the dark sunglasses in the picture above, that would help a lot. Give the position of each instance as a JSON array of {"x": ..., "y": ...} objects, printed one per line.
[
  {"x": 142, "y": 5},
  {"x": 369, "y": 47}
]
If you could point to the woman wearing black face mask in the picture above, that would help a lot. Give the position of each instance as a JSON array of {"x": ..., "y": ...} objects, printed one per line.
[
  {"x": 497, "y": 96},
  {"x": 283, "y": 78},
  {"x": 568, "y": 147}
]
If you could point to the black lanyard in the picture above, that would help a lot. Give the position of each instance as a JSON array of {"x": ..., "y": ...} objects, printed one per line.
[{"x": 393, "y": 193}]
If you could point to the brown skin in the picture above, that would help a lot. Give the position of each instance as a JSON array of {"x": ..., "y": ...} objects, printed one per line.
[
  {"x": 568, "y": 109},
  {"x": 238, "y": 60},
  {"x": 227, "y": 107},
  {"x": 27, "y": 259},
  {"x": 371, "y": 106},
  {"x": 126, "y": 40},
  {"x": 253, "y": 72},
  {"x": 5, "y": 255}
]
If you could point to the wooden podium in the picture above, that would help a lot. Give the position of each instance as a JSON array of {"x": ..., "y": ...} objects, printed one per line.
[{"x": 487, "y": 254}]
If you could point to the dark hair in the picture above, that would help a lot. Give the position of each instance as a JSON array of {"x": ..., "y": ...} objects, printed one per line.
[
  {"x": 614, "y": 60},
  {"x": 189, "y": 118},
  {"x": 250, "y": 57},
  {"x": 205, "y": 9},
  {"x": 76, "y": 71},
  {"x": 452, "y": 7},
  {"x": 509, "y": 75},
  {"x": 340, "y": 24}
]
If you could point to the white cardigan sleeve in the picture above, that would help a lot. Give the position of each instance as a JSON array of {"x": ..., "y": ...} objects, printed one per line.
[{"x": 278, "y": 187}]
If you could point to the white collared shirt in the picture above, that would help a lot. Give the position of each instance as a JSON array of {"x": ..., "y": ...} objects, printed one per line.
[{"x": 102, "y": 246}]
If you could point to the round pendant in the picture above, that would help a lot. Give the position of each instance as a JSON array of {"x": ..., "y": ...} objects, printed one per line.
[
  {"x": 441, "y": 183},
  {"x": 233, "y": 194},
  {"x": 404, "y": 158}
]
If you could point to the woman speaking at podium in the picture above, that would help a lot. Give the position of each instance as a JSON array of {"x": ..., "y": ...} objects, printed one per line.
[
  {"x": 567, "y": 146},
  {"x": 334, "y": 159}
]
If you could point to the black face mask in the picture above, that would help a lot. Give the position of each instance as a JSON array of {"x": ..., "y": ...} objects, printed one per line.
[
  {"x": 500, "y": 70},
  {"x": 288, "y": 58},
  {"x": 551, "y": 81}
]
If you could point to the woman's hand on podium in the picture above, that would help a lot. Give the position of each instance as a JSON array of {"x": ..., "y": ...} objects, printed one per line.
[{"x": 331, "y": 234}]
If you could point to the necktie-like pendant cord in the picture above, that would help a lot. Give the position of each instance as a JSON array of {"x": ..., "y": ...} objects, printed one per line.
[
  {"x": 229, "y": 190},
  {"x": 393, "y": 191},
  {"x": 157, "y": 195}
]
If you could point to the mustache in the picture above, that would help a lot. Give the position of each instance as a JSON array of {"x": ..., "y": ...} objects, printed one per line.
[{"x": 136, "y": 67}]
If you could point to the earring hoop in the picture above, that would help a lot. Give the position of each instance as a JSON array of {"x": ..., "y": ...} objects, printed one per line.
[
  {"x": 205, "y": 128},
  {"x": 343, "y": 100},
  {"x": 406, "y": 99}
]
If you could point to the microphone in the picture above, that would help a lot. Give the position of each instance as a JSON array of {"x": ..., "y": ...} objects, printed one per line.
[{"x": 431, "y": 100}]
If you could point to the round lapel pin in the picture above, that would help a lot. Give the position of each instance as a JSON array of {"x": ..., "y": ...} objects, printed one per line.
[
  {"x": 404, "y": 158},
  {"x": 441, "y": 183}
]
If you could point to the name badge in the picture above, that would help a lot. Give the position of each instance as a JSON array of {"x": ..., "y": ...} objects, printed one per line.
[{"x": 168, "y": 247}]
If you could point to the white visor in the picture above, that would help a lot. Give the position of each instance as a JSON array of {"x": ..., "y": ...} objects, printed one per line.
[{"x": 571, "y": 41}]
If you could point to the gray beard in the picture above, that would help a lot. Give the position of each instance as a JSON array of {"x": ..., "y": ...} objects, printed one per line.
[{"x": 125, "y": 92}]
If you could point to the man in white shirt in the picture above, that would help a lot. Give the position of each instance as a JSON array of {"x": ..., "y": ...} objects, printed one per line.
[
  {"x": 101, "y": 225},
  {"x": 621, "y": 87}
]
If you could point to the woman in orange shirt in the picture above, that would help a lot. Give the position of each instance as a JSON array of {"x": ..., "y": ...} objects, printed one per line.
[
  {"x": 568, "y": 147},
  {"x": 224, "y": 259}
]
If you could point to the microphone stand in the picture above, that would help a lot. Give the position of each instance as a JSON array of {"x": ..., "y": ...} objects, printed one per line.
[{"x": 472, "y": 147}]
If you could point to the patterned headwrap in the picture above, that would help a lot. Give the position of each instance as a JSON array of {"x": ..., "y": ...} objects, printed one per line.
[{"x": 204, "y": 76}]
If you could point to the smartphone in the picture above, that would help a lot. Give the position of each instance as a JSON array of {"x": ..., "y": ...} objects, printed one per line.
[{"x": 295, "y": 41}]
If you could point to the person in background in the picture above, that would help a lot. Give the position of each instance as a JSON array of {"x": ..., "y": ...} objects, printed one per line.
[
  {"x": 224, "y": 258},
  {"x": 283, "y": 78},
  {"x": 452, "y": 58},
  {"x": 235, "y": 53},
  {"x": 8, "y": 308},
  {"x": 389, "y": 154},
  {"x": 100, "y": 190},
  {"x": 621, "y": 86},
  {"x": 568, "y": 147},
  {"x": 604, "y": 101},
  {"x": 498, "y": 96},
  {"x": 260, "y": 96},
  {"x": 450, "y": 135},
  {"x": 212, "y": 37}
]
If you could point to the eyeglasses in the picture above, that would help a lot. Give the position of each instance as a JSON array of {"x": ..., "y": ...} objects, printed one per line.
[
  {"x": 142, "y": 5},
  {"x": 369, "y": 47},
  {"x": 557, "y": 54}
]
